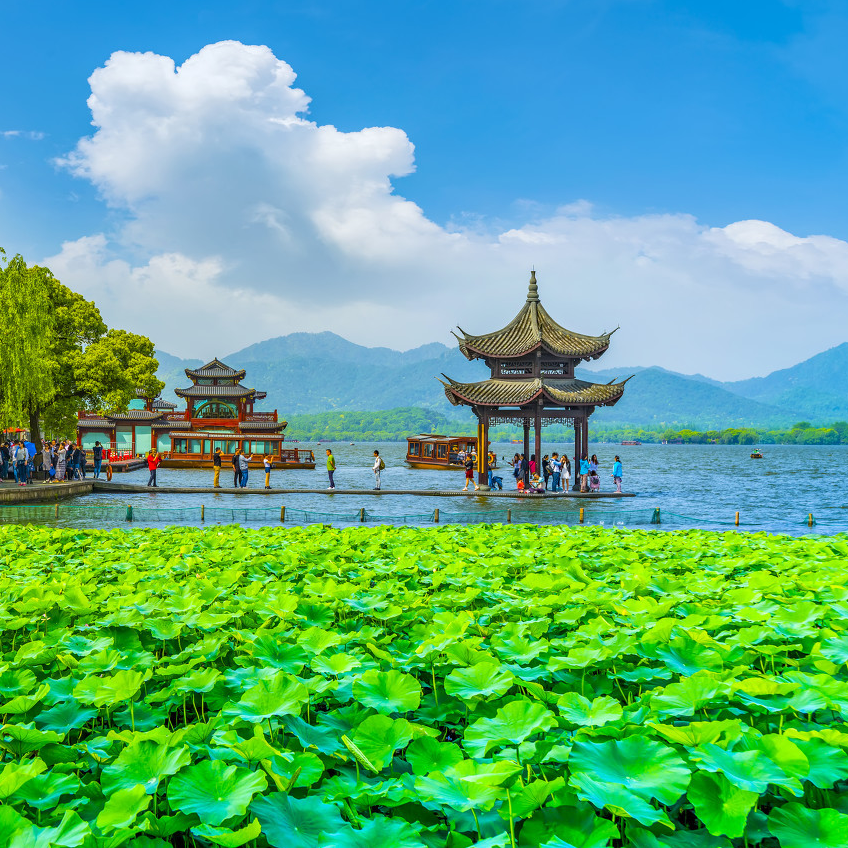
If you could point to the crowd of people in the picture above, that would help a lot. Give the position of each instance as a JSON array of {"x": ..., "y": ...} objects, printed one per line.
[
  {"x": 60, "y": 460},
  {"x": 555, "y": 471}
]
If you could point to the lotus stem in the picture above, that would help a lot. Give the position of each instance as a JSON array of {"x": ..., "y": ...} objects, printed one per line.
[{"x": 511, "y": 820}]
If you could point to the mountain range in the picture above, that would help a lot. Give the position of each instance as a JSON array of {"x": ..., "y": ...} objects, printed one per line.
[{"x": 321, "y": 372}]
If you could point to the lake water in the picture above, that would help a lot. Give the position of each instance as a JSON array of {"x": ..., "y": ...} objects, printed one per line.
[{"x": 692, "y": 485}]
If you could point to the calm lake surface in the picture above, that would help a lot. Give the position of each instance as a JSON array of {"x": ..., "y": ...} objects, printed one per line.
[{"x": 692, "y": 485}]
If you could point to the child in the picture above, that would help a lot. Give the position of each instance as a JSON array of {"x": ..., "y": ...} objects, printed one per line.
[
  {"x": 268, "y": 471},
  {"x": 594, "y": 481}
]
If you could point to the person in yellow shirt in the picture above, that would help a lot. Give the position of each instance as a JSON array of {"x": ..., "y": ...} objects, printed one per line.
[{"x": 216, "y": 469}]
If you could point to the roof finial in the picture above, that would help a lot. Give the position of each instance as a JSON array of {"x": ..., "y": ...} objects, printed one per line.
[{"x": 533, "y": 291}]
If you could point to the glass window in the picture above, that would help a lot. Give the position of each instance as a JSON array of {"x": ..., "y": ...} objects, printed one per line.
[
  {"x": 443, "y": 451},
  {"x": 194, "y": 446},
  {"x": 428, "y": 449},
  {"x": 180, "y": 446},
  {"x": 414, "y": 448},
  {"x": 226, "y": 445},
  {"x": 262, "y": 448},
  {"x": 204, "y": 382}
]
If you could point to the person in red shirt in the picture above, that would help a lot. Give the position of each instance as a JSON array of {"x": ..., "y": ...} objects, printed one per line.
[{"x": 153, "y": 460}]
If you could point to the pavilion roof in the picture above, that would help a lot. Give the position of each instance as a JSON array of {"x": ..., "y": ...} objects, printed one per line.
[
  {"x": 217, "y": 391},
  {"x": 511, "y": 392},
  {"x": 163, "y": 404},
  {"x": 531, "y": 329},
  {"x": 260, "y": 426},
  {"x": 214, "y": 369}
]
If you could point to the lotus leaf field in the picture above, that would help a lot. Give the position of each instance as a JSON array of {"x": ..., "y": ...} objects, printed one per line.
[{"x": 368, "y": 687}]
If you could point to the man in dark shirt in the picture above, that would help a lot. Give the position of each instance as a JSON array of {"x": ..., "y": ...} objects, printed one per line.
[
  {"x": 216, "y": 467},
  {"x": 236, "y": 470}
]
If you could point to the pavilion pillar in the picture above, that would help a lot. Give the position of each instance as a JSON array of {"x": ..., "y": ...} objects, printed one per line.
[
  {"x": 578, "y": 433},
  {"x": 527, "y": 449},
  {"x": 537, "y": 430},
  {"x": 585, "y": 438},
  {"x": 483, "y": 447}
]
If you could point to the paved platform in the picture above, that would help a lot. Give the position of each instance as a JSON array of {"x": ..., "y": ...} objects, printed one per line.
[
  {"x": 12, "y": 493},
  {"x": 131, "y": 488}
]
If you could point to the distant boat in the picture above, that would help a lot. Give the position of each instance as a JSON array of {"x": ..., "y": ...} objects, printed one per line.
[
  {"x": 757, "y": 454},
  {"x": 631, "y": 442}
]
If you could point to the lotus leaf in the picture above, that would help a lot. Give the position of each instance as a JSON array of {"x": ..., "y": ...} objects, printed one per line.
[
  {"x": 579, "y": 710},
  {"x": 482, "y": 680},
  {"x": 513, "y": 723},
  {"x": 379, "y": 736},
  {"x": 720, "y": 805},
  {"x": 426, "y": 755},
  {"x": 229, "y": 838},
  {"x": 122, "y": 808},
  {"x": 296, "y": 822},
  {"x": 145, "y": 763},
  {"x": 577, "y": 826},
  {"x": 387, "y": 691},
  {"x": 796, "y": 826},
  {"x": 214, "y": 791},
  {"x": 279, "y": 695}
]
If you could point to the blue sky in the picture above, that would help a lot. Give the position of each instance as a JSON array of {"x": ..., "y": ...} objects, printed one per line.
[{"x": 621, "y": 112}]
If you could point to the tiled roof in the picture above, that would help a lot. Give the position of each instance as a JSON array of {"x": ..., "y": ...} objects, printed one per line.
[
  {"x": 520, "y": 392},
  {"x": 133, "y": 415},
  {"x": 248, "y": 426},
  {"x": 215, "y": 368},
  {"x": 531, "y": 329},
  {"x": 163, "y": 404},
  {"x": 94, "y": 422},
  {"x": 171, "y": 425},
  {"x": 214, "y": 391}
]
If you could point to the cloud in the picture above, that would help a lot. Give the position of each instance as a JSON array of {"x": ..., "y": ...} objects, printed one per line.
[
  {"x": 31, "y": 135},
  {"x": 244, "y": 219}
]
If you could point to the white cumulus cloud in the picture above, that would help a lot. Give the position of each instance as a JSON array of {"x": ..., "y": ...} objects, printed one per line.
[{"x": 243, "y": 219}]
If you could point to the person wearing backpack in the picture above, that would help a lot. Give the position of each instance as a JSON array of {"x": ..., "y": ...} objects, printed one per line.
[{"x": 379, "y": 466}]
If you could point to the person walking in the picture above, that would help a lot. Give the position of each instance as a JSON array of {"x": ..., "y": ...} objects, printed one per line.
[
  {"x": 379, "y": 465},
  {"x": 47, "y": 462},
  {"x": 244, "y": 467},
  {"x": 216, "y": 469},
  {"x": 616, "y": 473},
  {"x": 469, "y": 473},
  {"x": 61, "y": 462},
  {"x": 5, "y": 457},
  {"x": 97, "y": 455},
  {"x": 584, "y": 473},
  {"x": 331, "y": 468},
  {"x": 267, "y": 463},
  {"x": 153, "y": 461}
]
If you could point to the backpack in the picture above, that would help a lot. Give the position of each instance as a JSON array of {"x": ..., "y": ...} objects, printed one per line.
[{"x": 382, "y": 464}]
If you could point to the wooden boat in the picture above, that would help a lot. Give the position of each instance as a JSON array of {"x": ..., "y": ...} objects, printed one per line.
[
  {"x": 634, "y": 442},
  {"x": 431, "y": 450},
  {"x": 282, "y": 458},
  {"x": 757, "y": 454}
]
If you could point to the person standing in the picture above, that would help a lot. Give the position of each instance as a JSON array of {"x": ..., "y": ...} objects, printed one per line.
[
  {"x": 546, "y": 469},
  {"x": 267, "y": 463},
  {"x": 616, "y": 473},
  {"x": 469, "y": 474},
  {"x": 584, "y": 473},
  {"x": 97, "y": 454},
  {"x": 516, "y": 468},
  {"x": 21, "y": 461},
  {"x": 5, "y": 457},
  {"x": 331, "y": 468},
  {"x": 533, "y": 468},
  {"x": 244, "y": 467},
  {"x": 153, "y": 460},
  {"x": 47, "y": 462},
  {"x": 565, "y": 474},
  {"x": 236, "y": 471},
  {"x": 81, "y": 458},
  {"x": 556, "y": 471},
  {"x": 216, "y": 469},
  {"x": 61, "y": 462},
  {"x": 379, "y": 465}
]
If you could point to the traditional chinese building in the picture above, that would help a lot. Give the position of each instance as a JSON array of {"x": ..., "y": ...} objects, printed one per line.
[
  {"x": 219, "y": 413},
  {"x": 532, "y": 380}
]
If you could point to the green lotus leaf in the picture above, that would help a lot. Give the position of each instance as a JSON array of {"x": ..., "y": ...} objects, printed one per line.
[
  {"x": 645, "y": 767},
  {"x": 122, "y": 808},
  {"x": 296, "y": 822},
  {"x": 426, "y": 755},
  {"x": 827, "y": 764},
  {"x": 119, "y": 687},
  {"x": 686, "y": 657},
  {"x": 324, "y": 740},
  {"x": 835, "y": 649},
  {"x": 377, "y": 831},
  {"x": 24, "y": 703},
  {"x": 19, "y": 740},
  {"x": 164, "y": 826},
  {"x": 526, "y": 799},
  {"x": 483, "y": 680},
  {"x": 619, "y": 800},
  {"x": 315, "y": 640},
  {"x": 251, "y": 750},
  {"x": 146, "y": 763},
  {"x": 65, "y": 716},
  {"x": 379, "y": 736},
  {"x": 214, "y": 791},
  {"x": 576, "y": 826},
  {"x": 698, "y": 732},
  {"x": 71, "y": 832},
  {"x": 12, "y": 823},
  {"x": 279, "y": 695},
  {"x": 99, "y": 663},
  {"x": 82, "y": 647},
  {"x": 578, "y": 710},
  {"x": 721, "y": 806},
  {"x": 274, "y": 653},
  {"x": 335, "y": 664},
  {"x": 454, "y": 791},
  {"x": 229, "y": 838},
  {"x": 16, "y": 681},
  {"x": 512, "y": 724},
  {"x": 688, "y": 696},
  {"x": 796, "y": 826},
  {"x": 199, "y": 680},
  {"x": 43, "y": 791},
  {"x": 387, "y": 691},
  {"x": 304, "y": 769},
  {"x": 750, "y": 770},
  {"x": 15, "y": 775}
]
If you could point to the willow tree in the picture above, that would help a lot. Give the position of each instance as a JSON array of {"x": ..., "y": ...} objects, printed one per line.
[
  {"x": 63, "y": 356},
  {"x": 26, "y": 364}
]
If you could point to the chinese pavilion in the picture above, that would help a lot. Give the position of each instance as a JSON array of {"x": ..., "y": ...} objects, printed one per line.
[
  {"x": 219, "y": 413},
  {"x": 532, "y": 381}
]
